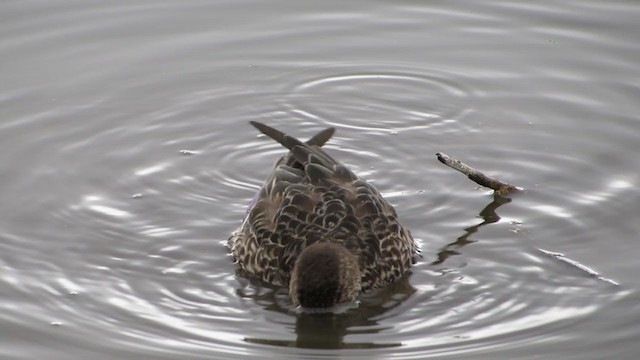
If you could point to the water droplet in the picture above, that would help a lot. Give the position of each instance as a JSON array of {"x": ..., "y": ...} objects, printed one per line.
[
  {"x": 136, "y": 196},
  {"x": 187, "y": 152},
  {"x": 56, "y": 323}
]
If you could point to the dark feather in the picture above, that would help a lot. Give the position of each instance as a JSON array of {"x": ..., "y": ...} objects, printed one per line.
[{"x": 309, "y": 197}]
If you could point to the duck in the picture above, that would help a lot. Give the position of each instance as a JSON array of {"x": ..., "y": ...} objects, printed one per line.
[{"x": 319, "y": 230}]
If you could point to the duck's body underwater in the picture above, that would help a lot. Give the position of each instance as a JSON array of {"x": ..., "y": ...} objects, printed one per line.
[{"x": 320, "y": 230}]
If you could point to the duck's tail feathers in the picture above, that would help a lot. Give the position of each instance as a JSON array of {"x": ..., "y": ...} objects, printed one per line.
[
  {"x": 289, "y": 142},
  {"x": 322, "y": 137},
  {"x": 300, "y": 154}
]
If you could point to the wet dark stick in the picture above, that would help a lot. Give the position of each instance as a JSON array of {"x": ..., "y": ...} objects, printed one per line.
[{"x": 501, "y": 188}]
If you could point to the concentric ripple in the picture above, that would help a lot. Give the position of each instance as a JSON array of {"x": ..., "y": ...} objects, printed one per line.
[
  {"x": 128, "y": 159},
  {"x": 401, "y": 98},
  {"x": 157, "y": 283}
]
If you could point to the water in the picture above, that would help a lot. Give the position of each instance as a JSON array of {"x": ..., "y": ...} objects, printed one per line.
[{"x": 127, "y": 160}]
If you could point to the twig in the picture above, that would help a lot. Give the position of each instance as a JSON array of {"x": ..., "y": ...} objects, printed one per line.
[{"x": 500, "y": 188}]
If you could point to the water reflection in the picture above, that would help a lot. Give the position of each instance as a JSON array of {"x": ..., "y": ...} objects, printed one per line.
[
  {"x": 332, "y": 331},
  {"x": 489, "y": 216}
]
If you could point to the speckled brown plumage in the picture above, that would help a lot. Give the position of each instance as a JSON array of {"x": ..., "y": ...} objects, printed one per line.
[{"x": 309, "y": 197}]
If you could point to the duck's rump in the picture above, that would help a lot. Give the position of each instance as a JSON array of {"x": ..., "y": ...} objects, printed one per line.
[{"x": 309, "y": 197}]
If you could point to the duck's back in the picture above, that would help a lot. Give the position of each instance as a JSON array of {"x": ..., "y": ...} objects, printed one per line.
[{"x": 311, "y": 197}]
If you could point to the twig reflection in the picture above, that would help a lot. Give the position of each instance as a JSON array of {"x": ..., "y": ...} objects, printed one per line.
[{"x": 489, "y": 216}]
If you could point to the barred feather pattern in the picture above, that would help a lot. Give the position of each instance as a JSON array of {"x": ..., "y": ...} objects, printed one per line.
[{"x": 309, "y": 197}]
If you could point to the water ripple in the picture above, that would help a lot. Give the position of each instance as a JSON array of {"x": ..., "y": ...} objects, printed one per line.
[
  {"x": 402, "y": 99},
  {"x": 127, "y": 160}
]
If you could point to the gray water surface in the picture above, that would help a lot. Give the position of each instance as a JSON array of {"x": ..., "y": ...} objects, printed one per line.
[{"x": 127, "y": 159}]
